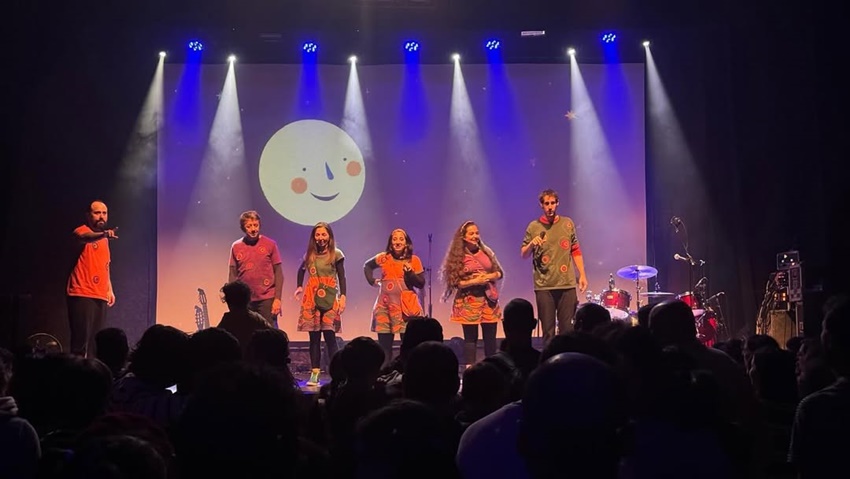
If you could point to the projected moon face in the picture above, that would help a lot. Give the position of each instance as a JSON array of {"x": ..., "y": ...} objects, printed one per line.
[{"x": 311, "y": 171}]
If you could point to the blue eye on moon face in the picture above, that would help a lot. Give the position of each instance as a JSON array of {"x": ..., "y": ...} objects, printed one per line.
[{"x": 315, "y": 157}]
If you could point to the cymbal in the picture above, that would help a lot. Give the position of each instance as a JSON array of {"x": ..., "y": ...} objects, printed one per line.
[
  {"x": 637, "y": 271},
  {"x": 657, "y": 294}
]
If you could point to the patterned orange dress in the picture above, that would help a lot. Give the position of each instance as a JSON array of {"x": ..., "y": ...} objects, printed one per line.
[
  {"x": 321, "y": 271},
  {"x": 480, "y": 303},
  {"x": 396, "y": 301}
]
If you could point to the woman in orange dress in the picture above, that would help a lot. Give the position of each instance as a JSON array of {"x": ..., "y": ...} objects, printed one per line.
[
  {"x": 470, "y": 272},
  {"x": 401, "y": 273},
  {"x": 323, "y": 299}
]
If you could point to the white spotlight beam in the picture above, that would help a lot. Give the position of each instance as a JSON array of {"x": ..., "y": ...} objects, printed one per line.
[
  {"x": 469, "y": 174},
  {"x": 354, "y": 120},
  {"x": 591, "y": 160},
  {"x": 138, "y": 166},
  {"x": 219, "y": 196}
]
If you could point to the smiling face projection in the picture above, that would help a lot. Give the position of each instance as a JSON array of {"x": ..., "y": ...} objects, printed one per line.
[{"x": 312, "y": 171}]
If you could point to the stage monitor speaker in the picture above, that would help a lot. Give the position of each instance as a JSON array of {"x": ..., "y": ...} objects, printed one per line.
[{"x": 782, "y": 327}]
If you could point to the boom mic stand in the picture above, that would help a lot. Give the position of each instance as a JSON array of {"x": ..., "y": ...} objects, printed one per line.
[{"x": 430, "y": 306}]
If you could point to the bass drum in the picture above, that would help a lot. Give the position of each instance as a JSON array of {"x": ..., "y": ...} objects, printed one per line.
[
  {"x": 617, "y": 302},
  {"x": 707, "y": 328}
]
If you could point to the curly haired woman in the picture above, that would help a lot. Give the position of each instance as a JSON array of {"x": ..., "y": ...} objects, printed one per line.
[{"x": 470, "y": 272}]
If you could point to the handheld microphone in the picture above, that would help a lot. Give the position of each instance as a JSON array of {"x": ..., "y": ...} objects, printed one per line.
[{"x": 542, "y": 236}]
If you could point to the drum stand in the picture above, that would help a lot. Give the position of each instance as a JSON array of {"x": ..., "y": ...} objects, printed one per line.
[{"x": 637, "y": 290}]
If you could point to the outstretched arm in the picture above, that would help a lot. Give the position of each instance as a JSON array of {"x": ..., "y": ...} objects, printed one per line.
[{"x": 87, "y": 235}]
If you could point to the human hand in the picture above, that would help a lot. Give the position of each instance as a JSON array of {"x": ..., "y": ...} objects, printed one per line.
[
  {"x": 341, "y": 302},
  {"x": 276, "y": 307},
  {"x": 297, "y": 295},
  {"x": 582, "y": 284}
]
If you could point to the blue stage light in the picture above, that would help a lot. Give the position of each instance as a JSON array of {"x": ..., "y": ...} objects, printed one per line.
[
  {"x": 310, "y": 47},
  {"x": 493, "y": 45},
  {"x": 196, "y": 46},
  {"x": 411, "y": 46},
  {"x": 609, "y": 37}
]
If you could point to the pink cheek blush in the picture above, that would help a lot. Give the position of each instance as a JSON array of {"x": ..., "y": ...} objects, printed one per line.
[
  {"x": 353, "y": 168},
  {"x": 299, "y": 185}
]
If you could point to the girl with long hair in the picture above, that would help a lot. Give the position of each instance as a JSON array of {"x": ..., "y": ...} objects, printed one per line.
[
  {"x": 470, "y": 272},
  {"x": 401, "y": 273},
  {"x": 323, "y": 299}
]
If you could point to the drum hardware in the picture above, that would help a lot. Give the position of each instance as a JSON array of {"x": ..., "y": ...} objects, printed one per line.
[
  {"x": 655, "y": 297},
  {"x": 637, "y": 272}
]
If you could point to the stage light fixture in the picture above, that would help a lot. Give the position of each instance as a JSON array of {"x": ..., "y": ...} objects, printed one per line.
[
  {"x": 646, "y": 43},
  {"x": 310, "y": 47},
  {"x": 571, "y": 52},
  {"x": 231, "y": 58},
  {"x": 456, "y": 57},
  {"x": 352, "y": 59},
  {"x": 161, "y": 54},
  {"x": 493, "y": 44},
  {"x": 609, "y": 37},
  {"x": 196, "y": 46},
  {"x": 411, "y": 46}
]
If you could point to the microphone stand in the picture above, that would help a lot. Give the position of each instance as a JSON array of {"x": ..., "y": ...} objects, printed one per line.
[
  {"x": 430, "y": 306},
  {"x": 691, "y": 262}
]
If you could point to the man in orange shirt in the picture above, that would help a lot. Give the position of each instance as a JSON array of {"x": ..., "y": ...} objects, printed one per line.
[{"x": 89, "y": 286}]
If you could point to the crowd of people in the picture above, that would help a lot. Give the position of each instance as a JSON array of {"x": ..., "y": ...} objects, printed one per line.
[{"x": 606, "y": 400}]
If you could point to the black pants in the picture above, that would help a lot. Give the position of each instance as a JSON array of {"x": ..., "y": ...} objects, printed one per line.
[
  {"x": 560, "y": 303},
  {"x": 470, "y": 340},
  {"x": 386, "y": 342},
  {"x": 264, "y": 307},
  {"x": 316, "y": 347},
  {"x": 86, "y": 317}
]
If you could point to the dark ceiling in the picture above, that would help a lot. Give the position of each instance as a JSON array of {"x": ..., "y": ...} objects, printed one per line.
[{"x": 264, "y": 31}]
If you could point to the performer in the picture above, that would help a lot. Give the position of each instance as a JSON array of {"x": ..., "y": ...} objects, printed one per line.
[
  {"x": 470, "y": 271},
  {"x": 321, "y": 308},
  {"x": 401, "y": 272},
  {"x": 89, "y": 290},
  {"x": 551, "y": 240},
  {"x": 255, "y": 260}
]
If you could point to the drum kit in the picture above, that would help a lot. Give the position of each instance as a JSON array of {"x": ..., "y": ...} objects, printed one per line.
[{"x": 618, "y": 301}]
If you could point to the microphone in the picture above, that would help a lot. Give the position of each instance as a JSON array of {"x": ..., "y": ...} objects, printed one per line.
[
  {"x": 542, "y": 236},
  {"x": 679, "y": 257},
  {"x": 710, "y": 298},
  {"x": 676, "y": 222},
  {"x": 701, "y": 282}
]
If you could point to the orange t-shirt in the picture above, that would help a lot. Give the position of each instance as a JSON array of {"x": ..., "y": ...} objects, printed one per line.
[{"x": 90, "y": 278}]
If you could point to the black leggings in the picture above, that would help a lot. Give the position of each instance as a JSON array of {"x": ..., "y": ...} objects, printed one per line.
[
  {"x": 316, "y": 347},
  {"x": 386, "y": 342},
  {"x": 470, "y": 339}
]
